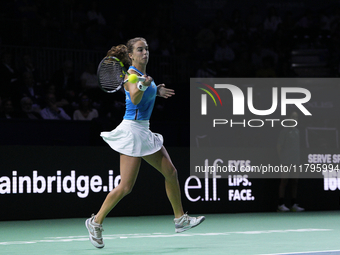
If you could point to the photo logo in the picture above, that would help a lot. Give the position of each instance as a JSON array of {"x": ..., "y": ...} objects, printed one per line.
[
  {"x": 204, "y": 98},
  {"x": 289, "y": 97},
  {"x": 238, "y": 100}
]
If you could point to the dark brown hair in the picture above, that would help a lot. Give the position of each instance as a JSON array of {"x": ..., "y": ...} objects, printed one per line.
[
  {"x": 120, "y": 52},
  {"x": 132, "y": 42}
]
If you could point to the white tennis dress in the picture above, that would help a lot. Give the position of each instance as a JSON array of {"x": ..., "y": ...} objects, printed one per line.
[{"x": 133, "y": 138}]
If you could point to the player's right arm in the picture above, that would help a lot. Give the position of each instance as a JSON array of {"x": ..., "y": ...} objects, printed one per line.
[{"x": 136, "y": 94}]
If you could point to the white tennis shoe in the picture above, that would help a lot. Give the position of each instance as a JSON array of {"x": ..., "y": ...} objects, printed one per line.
[
  {"x": 186, "y": 222},
  {"x": 95, "y": 232},
  {"x": 282, "y": 208},
  {"x": 296, "y": 208}
]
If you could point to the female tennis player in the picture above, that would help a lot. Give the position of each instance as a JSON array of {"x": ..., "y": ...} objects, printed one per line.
[{"x": 134, "y": 141}]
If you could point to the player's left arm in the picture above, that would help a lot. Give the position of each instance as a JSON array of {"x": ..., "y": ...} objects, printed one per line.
[{"x": 162, "y": 91}]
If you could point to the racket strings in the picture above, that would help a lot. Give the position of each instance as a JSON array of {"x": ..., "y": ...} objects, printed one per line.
[{"x": 111, "y": 75}]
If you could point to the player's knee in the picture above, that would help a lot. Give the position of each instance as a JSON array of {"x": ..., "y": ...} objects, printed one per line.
[
  {"x": 125, "y": 189},
  {"x": 171, "y": 173}
]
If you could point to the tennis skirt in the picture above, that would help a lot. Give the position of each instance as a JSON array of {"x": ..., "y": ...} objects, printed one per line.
[{"x": 133, "y": 138}]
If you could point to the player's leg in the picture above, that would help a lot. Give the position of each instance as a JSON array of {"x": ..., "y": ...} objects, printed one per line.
[
  {"x": 129, "y": 168},
  {"x": 282, "y": 187},
  {"x": 294, "y": 205},
  {"x": 294, "y": 183},
  {"x": 282, "y": 190},
  {"x": 162, "y": 162}
]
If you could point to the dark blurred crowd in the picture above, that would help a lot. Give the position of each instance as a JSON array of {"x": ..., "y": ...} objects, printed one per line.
[
  {"x": 254, "y": 45},
  {"x": 244, "y": 44},
  {"x": 63, "y": 97}
]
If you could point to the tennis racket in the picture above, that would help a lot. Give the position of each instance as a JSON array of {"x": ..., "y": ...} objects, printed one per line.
[{"x": 111, "y": 73}]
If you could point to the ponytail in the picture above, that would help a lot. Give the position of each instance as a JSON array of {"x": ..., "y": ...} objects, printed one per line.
[{"x": 120, "y": 52}]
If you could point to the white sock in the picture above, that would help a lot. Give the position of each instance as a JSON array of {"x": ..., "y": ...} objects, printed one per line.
[{"x": 95, "y": 223}]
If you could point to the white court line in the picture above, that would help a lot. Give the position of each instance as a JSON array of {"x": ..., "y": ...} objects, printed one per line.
[
  {"x": 158, "y": 235},
  {"x": 302, "y": 252}
]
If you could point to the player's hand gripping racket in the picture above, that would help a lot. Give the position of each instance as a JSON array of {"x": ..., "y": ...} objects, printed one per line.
[{"x": 111, "y": 74}]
